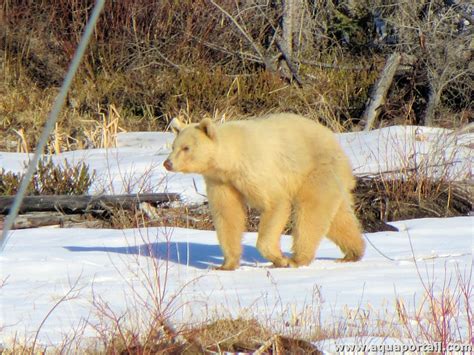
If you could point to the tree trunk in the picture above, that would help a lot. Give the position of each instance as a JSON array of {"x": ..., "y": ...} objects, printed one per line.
[
  {"x": 287, "y": 25},
  {"x": 291, "y": 25},
  {"x": 380, "y": 90},
  {"x": 433, "y": 101}
]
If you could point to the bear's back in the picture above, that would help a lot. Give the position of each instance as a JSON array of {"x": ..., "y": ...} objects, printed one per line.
[
  {"x": 283, "y": 138},
  {"x": 276, "y": 154}
]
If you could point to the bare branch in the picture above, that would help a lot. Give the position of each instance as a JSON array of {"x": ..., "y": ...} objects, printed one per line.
[
  {"x": 251, "y": 41},
  {"x": 287, "y": 57}
]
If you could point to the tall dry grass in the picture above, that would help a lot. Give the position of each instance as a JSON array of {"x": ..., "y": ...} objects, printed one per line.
[{"x": 153, "y": 60}]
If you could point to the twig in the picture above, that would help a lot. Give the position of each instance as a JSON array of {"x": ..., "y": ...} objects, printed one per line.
[
  {"x": 247, "y": 56},
  {"x": 254, "y": 45},
  {"x": 66, "y": 297},
  {"x": 287, "y": 57},
  {"x": 335, "y": 66},
  {"x": 262, "y": 349},
  {"x": 51, "y": 121},
  {"x": 377, "y": 249},
  {"x": 404, "y": 170}
]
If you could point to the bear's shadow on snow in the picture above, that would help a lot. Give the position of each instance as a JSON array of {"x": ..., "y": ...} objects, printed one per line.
[{"x": 201, "y": 256}]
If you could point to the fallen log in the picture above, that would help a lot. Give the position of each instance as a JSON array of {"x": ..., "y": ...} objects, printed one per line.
[
  {"x": 54, "y": 220},
  {"x": 41, "y": 219},
  {"x": 83, "y": 203}
]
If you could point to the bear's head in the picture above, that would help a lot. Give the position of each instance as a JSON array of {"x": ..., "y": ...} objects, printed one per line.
[{"x": 193, "y": 149}]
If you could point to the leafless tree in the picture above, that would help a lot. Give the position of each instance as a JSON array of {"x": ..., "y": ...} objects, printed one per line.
[{"x": 430, "y": 30}]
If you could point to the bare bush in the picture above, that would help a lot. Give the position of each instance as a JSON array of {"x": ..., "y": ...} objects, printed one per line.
[
  {"x": 435, "y": 33},
  {"x": 50, "y": 179}
]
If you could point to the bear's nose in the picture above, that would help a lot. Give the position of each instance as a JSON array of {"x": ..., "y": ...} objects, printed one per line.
[{"x": 168, "y": 165}]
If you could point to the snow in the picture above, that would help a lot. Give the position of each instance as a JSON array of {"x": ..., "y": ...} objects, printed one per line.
[
  {"x": 125, "y": 269},
  {"x": 41, "y": 264},
  {"x": 404, "y": 147}
]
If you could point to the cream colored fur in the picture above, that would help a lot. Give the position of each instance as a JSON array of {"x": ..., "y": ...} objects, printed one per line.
[{"x": 278, "y": 164}]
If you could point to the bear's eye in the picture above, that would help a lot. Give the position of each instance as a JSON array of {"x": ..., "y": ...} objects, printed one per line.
[{"x": 186, "y": 148}]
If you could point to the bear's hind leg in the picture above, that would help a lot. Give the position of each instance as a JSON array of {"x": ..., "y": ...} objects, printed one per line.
[
  {"x": 315, "y": 207},
  {"x": 345, "y": 232},
  {"x": 228, "y": 214},
  {"x": 272, "y": 223}
]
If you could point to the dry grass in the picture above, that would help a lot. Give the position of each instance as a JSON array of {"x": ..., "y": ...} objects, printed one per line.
[
  {"x": 98, "y": 109},
  {"x": 153, "y": 60},
  {"x": 233, "y": 335},
  {"x": 248, "y": 336},
  {"x": 444, "y": 314},
  {"x": 384, "y": 199}
]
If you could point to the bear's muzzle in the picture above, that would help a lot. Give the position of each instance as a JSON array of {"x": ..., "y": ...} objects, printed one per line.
[{"x": 168, "y": 165}]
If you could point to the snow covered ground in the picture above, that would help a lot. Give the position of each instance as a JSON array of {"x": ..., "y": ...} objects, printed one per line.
[
  {"x": 124, "y": 269},
  {"x": 114, "y": 265}
]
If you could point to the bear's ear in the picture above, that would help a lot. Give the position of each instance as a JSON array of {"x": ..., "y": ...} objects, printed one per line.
[
  {"x": 207, "y": 127},
  {"x": 176, "y": 125}
]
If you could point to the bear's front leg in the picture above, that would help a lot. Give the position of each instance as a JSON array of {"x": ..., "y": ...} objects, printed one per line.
[
  {"x": 272, "y": 223},
  {"x": 228, "y": 214}
]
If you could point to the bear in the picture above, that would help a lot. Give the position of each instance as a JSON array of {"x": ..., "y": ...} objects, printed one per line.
[{"x": 283, "y": 165}]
